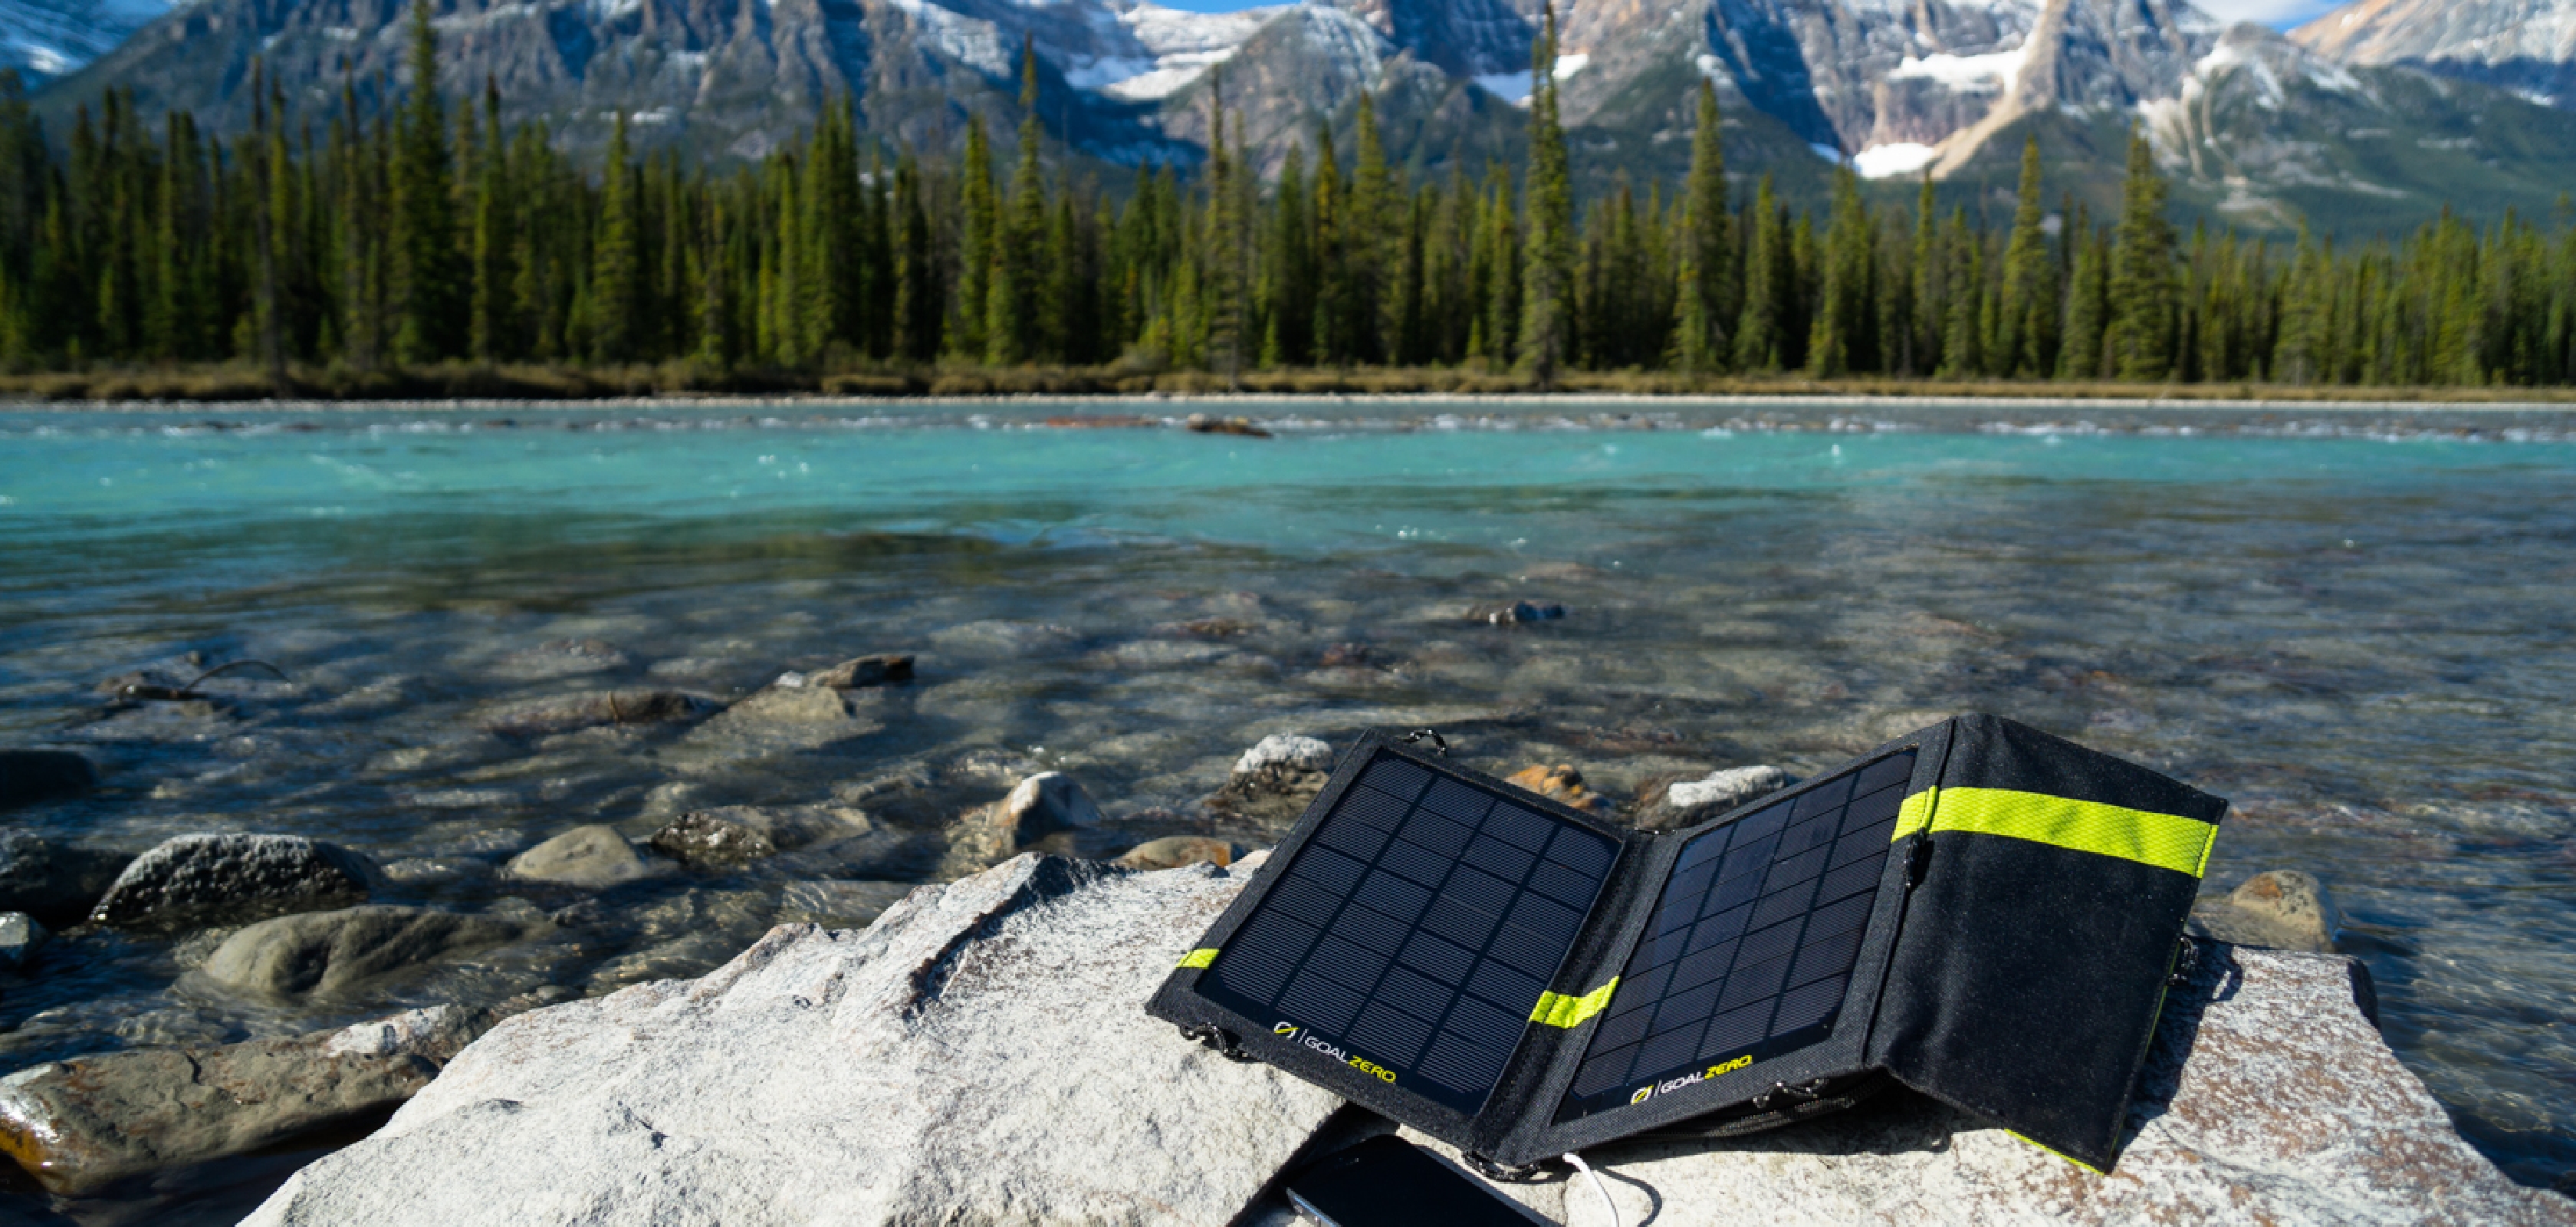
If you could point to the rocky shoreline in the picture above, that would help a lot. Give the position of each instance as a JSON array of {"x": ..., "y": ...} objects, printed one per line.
[
  {"x": 288, "y": 919},
  {"x": 977, "y": 1056}
]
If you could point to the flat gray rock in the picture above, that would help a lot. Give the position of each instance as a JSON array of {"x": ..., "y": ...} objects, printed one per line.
[
  {"x": 53, "y": 882},
  {"x": 564, "y": 714},
  {"x": 81, "y": 1124},
  {"x": 593, "y": 856},
  {"x": 30, "y": 776},
  {"x": 203, "y": 878},
  {"x": 328, "y": 953},
  {"x": 1670, "y": 804},
  {"x": 979, "y": 1056}
]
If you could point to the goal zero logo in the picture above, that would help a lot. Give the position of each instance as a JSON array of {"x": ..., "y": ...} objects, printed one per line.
[
  {"x": 1731, "y": 1066},
  {"x": 1643, "y": 1094},
  {"x": 1362, "y": 1064}
]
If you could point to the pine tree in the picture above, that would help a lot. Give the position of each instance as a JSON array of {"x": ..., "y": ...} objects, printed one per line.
[
  {"x": 2027, "y": 341},
  {"x": 2140, "y": 336},
  {"x": 423, "y": 274},
  {"x": 1547, "y": 326},
  {"x": 1700, "y": 337},
  {"x": 966, "y": 335},
  {"x": 615, "y": 261},
  {"x": 1011, "y": 331},
  {"x": 1768, "y": 272},
  {"x": 1838, "y": 339}
]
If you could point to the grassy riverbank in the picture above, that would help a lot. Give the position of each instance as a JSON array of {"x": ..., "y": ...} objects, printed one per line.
[{"x": 237, "y": 382}]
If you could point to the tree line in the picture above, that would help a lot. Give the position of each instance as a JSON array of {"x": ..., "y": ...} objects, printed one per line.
[{"x": 414, "y": 233}]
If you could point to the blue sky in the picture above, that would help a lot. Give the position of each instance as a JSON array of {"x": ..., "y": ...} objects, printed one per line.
[{"x": 2278, "y": 14}]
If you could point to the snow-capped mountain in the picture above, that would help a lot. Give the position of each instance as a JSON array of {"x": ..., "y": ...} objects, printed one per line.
[
  {"x": 2527, "y": 46},
  {"x": 2258, "y": 126},
  {"x": 47, "y": 38}
]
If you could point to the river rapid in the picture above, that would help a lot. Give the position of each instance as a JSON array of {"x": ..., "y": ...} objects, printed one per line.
[{"x": 2359, "y": 625}]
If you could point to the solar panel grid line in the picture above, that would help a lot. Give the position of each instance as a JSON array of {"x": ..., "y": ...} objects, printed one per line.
[
  {"x": 1420, "y": 921},
  {"x": 1780, "y": 896}
]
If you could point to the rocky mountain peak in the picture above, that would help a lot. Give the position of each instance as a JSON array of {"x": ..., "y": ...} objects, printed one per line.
[{"x": 2526, "y": 46}]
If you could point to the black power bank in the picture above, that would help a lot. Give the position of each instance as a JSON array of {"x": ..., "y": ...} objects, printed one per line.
[{"x": 1389, "y": 1182}]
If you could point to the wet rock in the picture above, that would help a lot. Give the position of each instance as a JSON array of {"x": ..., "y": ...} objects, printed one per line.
[
  {"x": 1673, "y": 802},
  {"x": 999, "y": 638},
  {"x": 81, "y": 1124},
  {"x": 55, "y": 883},
  {"x": 20, "y": 938},
  {"x": 1275, "y": 779},
  {"x": 701, "y": 838},
  {"x": 2281, "y": 908},
  {"x": 1209, "y": 424},
  {"x": 30, "y": 776},
  {"x": 839, "y": 905},
  {"x": 2269, "y": 1097},
  {"x": 1563, "y": 785},
  {"x": 1174, "y": 851},
  {"x": 732, "y": 833},
  {"x": 592, "y": 857},
  {"x": 1346, "y": 656},
  {"x": 199, "y": 879},
  {"x": 782, "y": 719},
  {"x": 544, "y": 717},
  {"x": 330, "y": 953},
  {"x": 563, "y": 658},
  {"x": 1043, "y": 804},
  {"x": 1517, "y": 612},
  {"x": 732, "y": 1098},
  {"x": 863, "y": 671}
]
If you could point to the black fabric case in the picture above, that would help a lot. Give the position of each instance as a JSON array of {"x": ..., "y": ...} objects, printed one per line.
[{"x": 2017, "y": 980}]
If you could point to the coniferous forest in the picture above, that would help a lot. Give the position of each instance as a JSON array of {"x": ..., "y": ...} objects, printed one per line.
[{"x": 425, "y": 232}]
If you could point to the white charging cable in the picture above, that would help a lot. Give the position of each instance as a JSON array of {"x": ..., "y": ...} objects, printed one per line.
[{"x": 1599, "y": 1186}]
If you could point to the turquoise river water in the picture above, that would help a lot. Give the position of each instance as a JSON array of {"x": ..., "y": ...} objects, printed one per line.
[{"x": 2359, "y": 625}]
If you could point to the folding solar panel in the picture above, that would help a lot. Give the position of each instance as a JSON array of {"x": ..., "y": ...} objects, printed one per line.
[{"x": 1981, "y": 911}]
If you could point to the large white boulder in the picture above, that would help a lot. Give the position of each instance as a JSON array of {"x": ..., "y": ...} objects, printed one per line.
[{"x": 979, "y": 1055}]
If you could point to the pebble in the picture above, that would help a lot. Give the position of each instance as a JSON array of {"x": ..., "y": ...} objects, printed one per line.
[
  {"x": 197, "y": 879},
  {"x": 20, "y": 938}
]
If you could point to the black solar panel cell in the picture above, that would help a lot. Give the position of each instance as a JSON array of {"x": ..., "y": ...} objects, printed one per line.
[
  {"x": 1783, "y": 896},
  {"x": 1417, "y": 929}
]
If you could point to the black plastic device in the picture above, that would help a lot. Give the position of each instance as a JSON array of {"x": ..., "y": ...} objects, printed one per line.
[{"x": 1389, "y": 1182}]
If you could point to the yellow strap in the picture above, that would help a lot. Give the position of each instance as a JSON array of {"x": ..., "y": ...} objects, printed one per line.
[
  {"x": 1560, "y": 1010},
  {"x": 2166, "y": 841},
  {"x": 1199, "y": 958}
]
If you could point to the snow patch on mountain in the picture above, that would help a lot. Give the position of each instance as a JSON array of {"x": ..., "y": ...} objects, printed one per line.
[
  {"x": 1992, "y": 73},
  {"x": 1893, "y": 159}
]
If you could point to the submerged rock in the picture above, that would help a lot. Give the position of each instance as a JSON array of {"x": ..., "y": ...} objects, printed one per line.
[
  {"x": 55, "y": 883},
  {"x": 989, "y": 1035},
  {"x": 593, "y": 856},
  {"x": 1676, "y": 802},
  {"x": 1563, "y": 785},
  {"x": 863, "y": 671},
  {"x": 700, "y": 838},
  {"x": 1174, "y": 851},
  {"x": 1517, "y": 612},
  {"x": 838, "y": 905},
  {"x": 732, "y": 834},
  {"x": 563, "y": 658},
  {"x": 20, "y": 938},
  {"x": 781, "y": 719},
  {"x": 30, "y": 776},
  {"x": 978, "y": 1056},
  {"x": 1038, "y": 806},
  {"x": 81, "y": 1124},
  {"x": 196, "y": 879},
  {"x": 543, "y": 717},
  {"x": 329, "y": 953},
  {"x": 2281, "y": 908}
]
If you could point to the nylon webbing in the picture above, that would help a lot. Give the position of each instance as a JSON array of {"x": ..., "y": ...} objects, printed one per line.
[
  {"x": 1560, "y": 1010},
  {"x": 2166, "y": 841}
]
